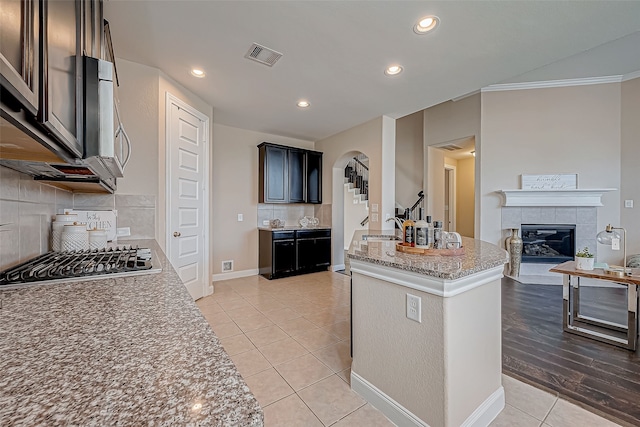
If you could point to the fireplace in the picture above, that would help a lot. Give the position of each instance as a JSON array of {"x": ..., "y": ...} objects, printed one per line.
[{"x": 548, "y": 243}]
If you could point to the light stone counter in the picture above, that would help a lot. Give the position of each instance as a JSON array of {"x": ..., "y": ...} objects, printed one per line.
[
  {"x": 116, "y": 351},
  {"x": 295, "y": 228},
  {"x": 479, "y": 256}
]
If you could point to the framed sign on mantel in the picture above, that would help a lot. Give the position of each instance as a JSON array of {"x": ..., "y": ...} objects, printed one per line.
[{"x": 550, "y": 182}]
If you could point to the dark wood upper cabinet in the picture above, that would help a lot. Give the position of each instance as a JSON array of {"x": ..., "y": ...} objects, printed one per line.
[
  {"x": 297, "y": 167},
  {"x": 60, "y": 109},
  {"x": 314, "y": 177},
  {"x": 273, "y": 174},
  {"x": 19, "y": 66},
  {"x": 289, "y": 175}
]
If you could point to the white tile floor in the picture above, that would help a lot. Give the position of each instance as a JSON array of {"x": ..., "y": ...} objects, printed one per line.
[{"x": 289, "y": 338}]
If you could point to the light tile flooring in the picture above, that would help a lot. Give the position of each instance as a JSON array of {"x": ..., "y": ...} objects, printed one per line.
[{"x": 289, "y": 338}]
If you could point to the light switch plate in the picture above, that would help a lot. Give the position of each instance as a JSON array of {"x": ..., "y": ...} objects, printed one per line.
[
  {"x": 240, "y": 217},
  {"x": 374, "y": 217},
  {"x": 265, "y": 222},
  {"x": 374, "y": 207},
  {"x": 628, "y": 203},
  {"x": 615, "y": 244}
]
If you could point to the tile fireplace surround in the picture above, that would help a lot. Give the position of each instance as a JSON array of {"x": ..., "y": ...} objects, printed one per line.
[{"x": 584, "y": 217}]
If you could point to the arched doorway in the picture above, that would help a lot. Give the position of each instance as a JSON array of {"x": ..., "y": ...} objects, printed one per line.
[{"x": 344, "y": 218}]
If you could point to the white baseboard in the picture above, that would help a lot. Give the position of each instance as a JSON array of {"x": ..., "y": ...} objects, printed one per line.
[
  {"x": 487, "y": 411},
  {"x": 337, "y": 267},
  {"x": 234, "y": 275},
  {"x": 400, "y": 416}
]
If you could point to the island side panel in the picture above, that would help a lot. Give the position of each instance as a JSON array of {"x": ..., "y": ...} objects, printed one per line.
[
  {"x": 473, "y": 345},
  {"x": 399, "y": 356}
]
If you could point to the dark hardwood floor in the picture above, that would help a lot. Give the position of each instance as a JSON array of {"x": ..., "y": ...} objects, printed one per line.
[{"x": 600, "y": 377}]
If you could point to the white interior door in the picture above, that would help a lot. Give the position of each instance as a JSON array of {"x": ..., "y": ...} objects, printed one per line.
[{"x": 187, "y": 148}]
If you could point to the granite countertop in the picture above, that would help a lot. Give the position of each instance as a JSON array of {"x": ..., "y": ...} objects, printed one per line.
[
  {"x": 295, "y": 227},
  {"x": 479, "y": 256},
  {"x": 116, "y": 351}
]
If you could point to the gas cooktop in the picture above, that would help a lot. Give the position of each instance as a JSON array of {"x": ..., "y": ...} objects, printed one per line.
[{"x": 58, "y": 267}]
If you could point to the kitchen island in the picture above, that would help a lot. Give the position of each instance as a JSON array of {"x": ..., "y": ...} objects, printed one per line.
[
  {"x": 444, "y": 369},
  {"x": 116, "y": 351}
]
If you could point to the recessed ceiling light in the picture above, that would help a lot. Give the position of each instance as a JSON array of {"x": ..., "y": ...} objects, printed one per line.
[
  {"x": 426, "y": 24},
  {"x": 303, "y": 104},
  {"x": 393, "y": 70},
  {"x": 197, "y": 73}
]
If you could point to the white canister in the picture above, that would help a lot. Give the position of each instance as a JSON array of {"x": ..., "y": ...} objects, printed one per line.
[
  {"x": 97, "y": 239},
  {"x": 57, "y": 226},
  {"x": 75, "y": 237}
]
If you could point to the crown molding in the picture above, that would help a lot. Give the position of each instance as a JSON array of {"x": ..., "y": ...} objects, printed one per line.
[
  {"x": 631, "y": 76},
  {"x": 553, "y": 83}
]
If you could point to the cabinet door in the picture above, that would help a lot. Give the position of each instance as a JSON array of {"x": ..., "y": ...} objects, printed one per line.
[
  {"x": 19, "y": 51},
  {"x": 314, "y": 177},
  {"x": 275, "y": 175},
  {"x": 305, "y": 252},
  {"x": 60, "y": 107},
  {"x": 284, "y": 257},
  {"x": 297, "y": 179},
  {"x": 323, "y": 252}
]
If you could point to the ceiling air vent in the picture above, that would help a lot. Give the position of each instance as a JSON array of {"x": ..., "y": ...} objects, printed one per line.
[
  {"x": 450, "y": 147},
  {"x": 263, "y": 55}
]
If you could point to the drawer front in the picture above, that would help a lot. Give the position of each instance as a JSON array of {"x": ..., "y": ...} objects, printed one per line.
[
  {"x": 283, "y": 235},
  {"x": 312, "y": 234}
]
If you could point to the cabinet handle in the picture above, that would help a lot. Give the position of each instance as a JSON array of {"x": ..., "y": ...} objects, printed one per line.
[{"x": 176, "y": 234}]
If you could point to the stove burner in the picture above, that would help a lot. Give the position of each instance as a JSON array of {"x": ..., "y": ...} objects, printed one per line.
[{"x": 73, "y": 264}]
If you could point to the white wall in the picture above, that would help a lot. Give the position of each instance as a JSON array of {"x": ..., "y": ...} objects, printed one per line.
[
  {"x": 449, "y": 121},
  {"x": 138, "y": 106},
  {"x": 630, "y": 155},
  {"x": 376, "y": 139},
  {"x": 409, "y": 158},
  {"x": 546, "y": 131},
  {"x": 355, "y": 210},
  {"x": 234, "y": 191},
  {"x": 465, "y": 197}
]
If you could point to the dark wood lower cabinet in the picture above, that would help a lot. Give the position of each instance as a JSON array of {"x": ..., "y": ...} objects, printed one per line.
[{"x": 287, "y": 253}]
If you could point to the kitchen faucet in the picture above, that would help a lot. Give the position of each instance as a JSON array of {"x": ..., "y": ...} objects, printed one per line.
[{"x": 397, "y": 220}]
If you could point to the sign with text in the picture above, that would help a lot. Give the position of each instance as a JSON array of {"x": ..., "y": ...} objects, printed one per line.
[
  {"x": 102, "y": 220},
  {"x": 550, "y": 182}
]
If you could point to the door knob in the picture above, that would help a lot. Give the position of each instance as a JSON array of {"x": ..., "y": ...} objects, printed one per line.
[{"x": 176, "y": 234}]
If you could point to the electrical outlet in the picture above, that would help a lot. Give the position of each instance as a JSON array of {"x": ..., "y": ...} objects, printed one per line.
[
  {"x": 374, "y": 207},
  {"x": 265, "y": 222},
  {"x": 123, "y": 231},
  {"x": 374, "y": 217},
  {"x": 414, "y": 310},
  {"x": 240, "y": 217}
]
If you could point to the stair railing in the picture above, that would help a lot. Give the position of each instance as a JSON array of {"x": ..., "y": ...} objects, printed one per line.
[{"x": 417, "y": 203}]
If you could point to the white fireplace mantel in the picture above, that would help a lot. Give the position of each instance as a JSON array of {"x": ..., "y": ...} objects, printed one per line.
[{"x": 554, "y": 198}]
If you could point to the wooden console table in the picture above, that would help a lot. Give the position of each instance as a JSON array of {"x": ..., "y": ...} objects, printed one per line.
[{"x": 576, "y": 323}]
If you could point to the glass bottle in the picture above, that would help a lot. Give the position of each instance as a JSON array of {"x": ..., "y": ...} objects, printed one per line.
[
  {"x": 422, "y": 231},
  {"x": 408, "y": 229}
]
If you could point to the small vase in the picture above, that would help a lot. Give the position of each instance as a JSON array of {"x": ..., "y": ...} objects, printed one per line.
[
  {"x": 583, "y": 263},
  {"x": 513, "y": 244}
]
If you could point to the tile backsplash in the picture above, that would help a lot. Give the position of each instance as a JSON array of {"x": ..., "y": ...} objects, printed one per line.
[
  {"x": 290, "y": 213},
  {"x": 27, "y": 207}
]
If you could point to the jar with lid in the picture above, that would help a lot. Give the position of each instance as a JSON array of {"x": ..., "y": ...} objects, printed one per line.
[
  {"x": 97, "y": 239},
  {"x": 57, "y": 227},
  {"x": 75, "y": 237}
]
